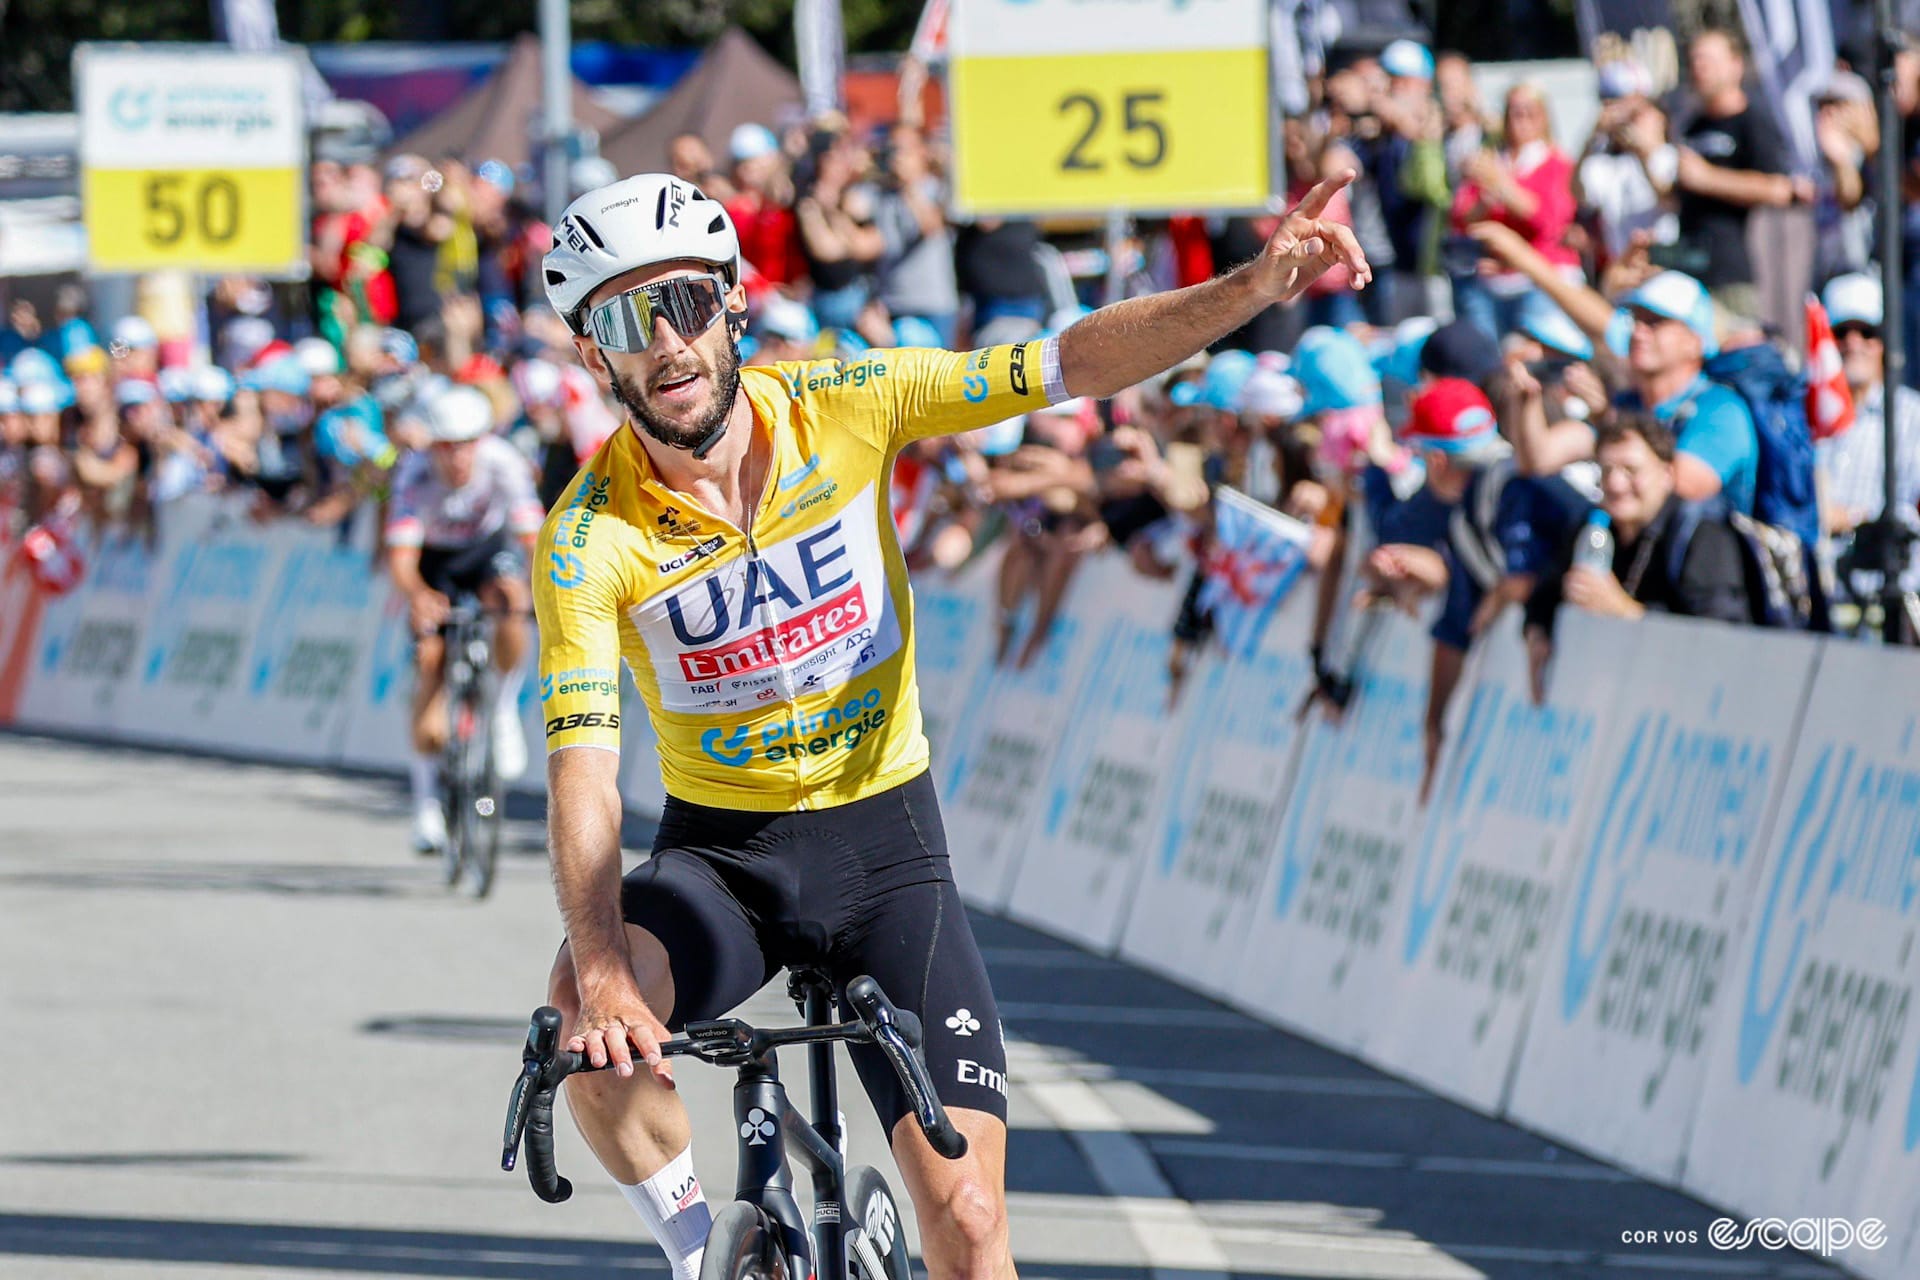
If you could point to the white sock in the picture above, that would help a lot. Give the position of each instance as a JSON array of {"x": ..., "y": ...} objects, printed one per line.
[
  {"x": 425, "y": 772},
  {"x": 675, "y": 1210},
  {"x": 507, "y": 697}
]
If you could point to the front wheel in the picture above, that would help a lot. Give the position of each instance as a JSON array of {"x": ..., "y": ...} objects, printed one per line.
[
  {"x": 876, "y": 1238},
  {"x": 742, "y": 1245}
]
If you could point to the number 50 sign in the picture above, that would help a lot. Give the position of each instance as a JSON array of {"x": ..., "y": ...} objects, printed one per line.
[
  {"x": 1084, "y": 105},
  {"x": 193, "y": 157}
]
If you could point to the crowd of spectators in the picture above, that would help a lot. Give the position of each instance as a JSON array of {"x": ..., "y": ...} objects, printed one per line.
[{"x": 1548, "y": 333}]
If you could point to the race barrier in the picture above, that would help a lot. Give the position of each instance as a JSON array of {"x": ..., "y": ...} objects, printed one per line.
[{"x": 1667, "y": 917}]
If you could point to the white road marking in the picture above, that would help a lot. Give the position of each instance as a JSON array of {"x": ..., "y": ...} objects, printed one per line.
[
  {"x": 1209, "y": 1150},
  {"x": 1167, "y": 1227}
]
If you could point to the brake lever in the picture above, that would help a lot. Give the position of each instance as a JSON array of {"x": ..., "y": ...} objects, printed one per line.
[{"x": 530, "y": 1106}]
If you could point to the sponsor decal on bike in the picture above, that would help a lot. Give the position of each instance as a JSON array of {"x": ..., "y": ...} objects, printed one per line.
[{"x": 757, "y": 1128}]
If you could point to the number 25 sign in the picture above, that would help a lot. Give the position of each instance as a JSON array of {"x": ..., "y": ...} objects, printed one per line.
[{"x": 1083, "y": 105}]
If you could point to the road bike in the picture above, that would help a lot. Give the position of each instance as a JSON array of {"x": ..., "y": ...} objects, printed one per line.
[
  {"x": 470, "y": 789},
  {"x": 855, "y": 1229}
]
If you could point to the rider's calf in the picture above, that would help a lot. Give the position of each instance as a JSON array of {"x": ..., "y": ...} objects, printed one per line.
[{"x": 635, "y": 1124}]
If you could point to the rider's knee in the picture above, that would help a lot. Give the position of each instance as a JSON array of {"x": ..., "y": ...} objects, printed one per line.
[{"x": 977, "y": 1216}]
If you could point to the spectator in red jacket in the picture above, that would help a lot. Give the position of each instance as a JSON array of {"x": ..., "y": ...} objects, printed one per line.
[
  {"x": 1527, "y": 184},
  {"x": 762, "y": 206}
]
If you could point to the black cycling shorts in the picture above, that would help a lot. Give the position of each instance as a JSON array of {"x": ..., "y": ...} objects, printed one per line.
[
  {"x": 864, "y": 887},
  {"x": 454, "y": 570}
]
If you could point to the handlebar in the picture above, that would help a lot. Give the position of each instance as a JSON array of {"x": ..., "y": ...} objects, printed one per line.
[
  {"x": 725, "y": 1042},
  {"x": 899, "y": 1036}
]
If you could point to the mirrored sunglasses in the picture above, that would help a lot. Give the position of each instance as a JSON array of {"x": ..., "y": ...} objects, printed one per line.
[{"x": 690, "y": 304}]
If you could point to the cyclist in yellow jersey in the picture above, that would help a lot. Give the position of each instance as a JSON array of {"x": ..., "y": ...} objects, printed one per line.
[{"x": 733, "y": 546}]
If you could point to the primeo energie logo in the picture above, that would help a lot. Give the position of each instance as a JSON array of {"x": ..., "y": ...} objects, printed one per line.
[
  {"x": 815, "y": 733},
  {"x": 571, "y": 529}
]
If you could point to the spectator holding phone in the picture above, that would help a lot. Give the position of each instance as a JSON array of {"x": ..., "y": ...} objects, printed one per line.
[
  {"x": 1627, "y": 164},
  {"x": 836, "y": 214},
  {"x": 915, "y": 271}
]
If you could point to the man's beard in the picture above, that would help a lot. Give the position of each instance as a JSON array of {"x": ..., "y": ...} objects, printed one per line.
[{"x": 726, "y": 387}]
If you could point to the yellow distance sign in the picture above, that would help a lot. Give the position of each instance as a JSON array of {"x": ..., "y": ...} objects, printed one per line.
[
  {"x": 207, "y": 219},
  {"x": 1083, "y": 132}
]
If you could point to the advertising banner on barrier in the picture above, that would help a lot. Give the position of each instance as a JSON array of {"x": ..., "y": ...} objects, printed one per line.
[
  {"x": 1319, "y": 954},
  {"x": 952, "y": 636},
  {"x": 297, "y": 680},
  {"x": 381, "y": 693},
  {"x": 189, "y": 686},
  {"x": 1811, "y": 1104},
  {"x": 1005, "y": 729},
  {"x": 1108, "y": 779},
  {"x": 1207, "y": 854},
  {"x": 1664, "y": 863},
  {"x": 84, "y": 653},
  {"x": 1477, "y": 904}
]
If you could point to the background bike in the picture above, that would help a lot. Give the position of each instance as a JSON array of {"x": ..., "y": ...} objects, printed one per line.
[
  {"x": 470, "y": 789},
  {"x": 855, "y": 1227}
]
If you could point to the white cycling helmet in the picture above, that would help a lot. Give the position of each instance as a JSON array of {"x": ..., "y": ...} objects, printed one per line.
[
  {"x": 459, "y": 413},
  {"x": 636, "y": 222}
]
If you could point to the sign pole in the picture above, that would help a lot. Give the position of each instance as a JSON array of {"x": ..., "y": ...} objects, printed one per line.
[
  {"x": 556, "y": 93},
  {"x": 1116, "y": 286},
  {"x": 1895, "y": 536}
]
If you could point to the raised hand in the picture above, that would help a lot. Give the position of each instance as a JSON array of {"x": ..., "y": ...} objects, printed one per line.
[{"x": 1305, "y": 246}]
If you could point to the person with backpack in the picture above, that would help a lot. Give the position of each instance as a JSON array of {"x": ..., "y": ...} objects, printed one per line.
[
  {"x": 1664, "y": 334},
  {"x": 1670, "y": 554}
]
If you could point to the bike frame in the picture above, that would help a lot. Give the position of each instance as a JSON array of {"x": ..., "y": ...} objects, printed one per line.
[
  {"x": 767, "y": 1121},
  {"x": 763, "y": 1176}
]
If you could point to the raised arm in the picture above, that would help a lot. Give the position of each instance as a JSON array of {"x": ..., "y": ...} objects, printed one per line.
[
  {"x": 1748, "y": 187},
  {"x": 1131, "y": 341},
  {"x": 1586, "y": 306}
]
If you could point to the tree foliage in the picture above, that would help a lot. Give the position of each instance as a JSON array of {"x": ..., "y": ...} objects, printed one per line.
[{"x": 37, "y": 36}]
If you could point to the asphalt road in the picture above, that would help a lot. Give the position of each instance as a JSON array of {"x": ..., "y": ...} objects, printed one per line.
[{"x": 249, "y": 1036}]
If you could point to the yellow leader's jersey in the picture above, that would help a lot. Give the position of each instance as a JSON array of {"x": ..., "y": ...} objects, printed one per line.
[{"x": 776, "y": 663}]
